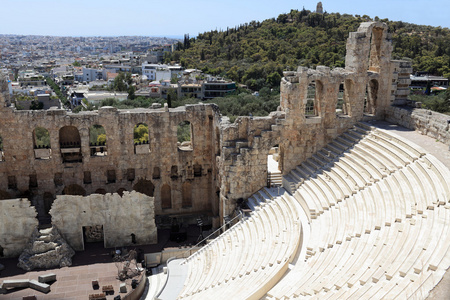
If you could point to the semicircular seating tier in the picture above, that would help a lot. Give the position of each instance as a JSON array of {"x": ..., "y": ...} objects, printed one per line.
[{"x": 367, "y": 216}]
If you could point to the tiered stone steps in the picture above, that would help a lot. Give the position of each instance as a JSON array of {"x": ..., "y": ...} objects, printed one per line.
[
  {"x": 243, "y": 262},
  {"x": 385, "y": 235},
  {"x": 379, "y": 218}
]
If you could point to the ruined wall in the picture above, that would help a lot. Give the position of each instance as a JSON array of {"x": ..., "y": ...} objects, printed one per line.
[
  {"x": 145, "y": 168},
  {"x": 18, "y": 221},
  {"x": 119, "y": 216},
  {"x": 427, "y": 122}
]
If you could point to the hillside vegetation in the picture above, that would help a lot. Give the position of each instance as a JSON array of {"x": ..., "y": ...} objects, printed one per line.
[{"x": 257, "y": 53}]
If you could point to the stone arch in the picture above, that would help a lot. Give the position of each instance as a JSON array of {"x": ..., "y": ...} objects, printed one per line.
[
  {"x": 97, "y": 140},
  {"x": 314, "y": 95},
  {"x": 141, "y": 138},
  {"x": 370, "y": 102},
  {"x": 186, "y": 193},
  {"x": 166, "y": 197},
  {"x": 74, "y": 189},
  {"x": 144, "y": 186},
  {"x": 375, "y": 49},
  {"x": 48, "y": 202},
  {"x": 185, "y": 136},
  {"x": 70, "y": 143},
  {"x": 343, "y": 106}
]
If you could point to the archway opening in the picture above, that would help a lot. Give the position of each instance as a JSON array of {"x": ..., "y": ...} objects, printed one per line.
[
  {"x": 97, "y": 140},
  {"x": 313, "y": 97},
  {"x": 343, "y": 101},
  {"x": 184, "y": 136},
  {"x": 370, "y": 101},
  {"x": 70, "y": 144},
  {"x": 41, "y": 140},
  {"x": 166, "y": 197},
  {"x": 273, "y": 167},
  {"x": 141, "y": 139}
]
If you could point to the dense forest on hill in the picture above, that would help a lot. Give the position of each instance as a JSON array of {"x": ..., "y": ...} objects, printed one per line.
[{"x": 257, "y": 53}]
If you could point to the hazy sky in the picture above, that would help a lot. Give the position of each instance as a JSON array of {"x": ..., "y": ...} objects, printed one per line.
[{"x": 177, "y": 17}]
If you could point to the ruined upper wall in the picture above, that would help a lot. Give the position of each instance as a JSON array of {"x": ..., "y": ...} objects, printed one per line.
[
  {"x": 120, "y": 216},
  {"x": 184, "y": 177}
]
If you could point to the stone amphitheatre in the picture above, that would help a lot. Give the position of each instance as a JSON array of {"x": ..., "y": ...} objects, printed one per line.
[{"x": 356, "y": 208}]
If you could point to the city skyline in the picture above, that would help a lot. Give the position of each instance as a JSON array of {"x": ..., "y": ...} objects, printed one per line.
[{"x": 149, "y": 18}]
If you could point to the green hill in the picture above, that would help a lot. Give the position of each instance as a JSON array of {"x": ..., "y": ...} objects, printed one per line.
[{"x": 256, "y": 53}]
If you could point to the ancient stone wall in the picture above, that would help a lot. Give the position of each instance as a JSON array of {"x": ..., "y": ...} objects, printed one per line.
[
  {"x": 17, "y": 223},
  {"x": 69, "y": 166},
  {"x": 118, "y": 216},
  {"x": 427, "y": 122}
]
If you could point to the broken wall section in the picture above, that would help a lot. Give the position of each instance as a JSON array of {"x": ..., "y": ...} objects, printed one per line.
[
  {"x": 17, "y": 223},
  {"x": 133, "y": 213},
  {"x": 243, "y": 162}
]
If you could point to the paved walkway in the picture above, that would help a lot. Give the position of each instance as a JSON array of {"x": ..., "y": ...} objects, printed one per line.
[{"x": 175, "y": 282}]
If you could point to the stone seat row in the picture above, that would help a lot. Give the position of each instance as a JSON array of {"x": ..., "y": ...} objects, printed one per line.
[
  {"x": 331, "y": 184},
  {"x": 248, "y": 252},
  {"x": 405, "y": 211}
]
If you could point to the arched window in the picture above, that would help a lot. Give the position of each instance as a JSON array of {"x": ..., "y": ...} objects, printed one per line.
[
  {"x": 97, "y": 140},
  {"x": 166, "y": 197},
  {"x": 2, "y": 154},
  {"x": 41, "y": 140},
  {"x": 186, "y": 200},
  {"x": 344, "y": 94},
  {"x": 141, "y": 139},
  {"x": 313, "y": 96},
  {"x": 184, "y": 136},
  {"x": 370, "y": 102},
  {"x": 70, "y": 144}
]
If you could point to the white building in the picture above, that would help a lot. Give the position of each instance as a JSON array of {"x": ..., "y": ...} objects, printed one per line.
[{"x": 92, "y": 74}]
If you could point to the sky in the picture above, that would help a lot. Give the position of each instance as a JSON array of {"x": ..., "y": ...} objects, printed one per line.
[{"x": 174, "y": 18}]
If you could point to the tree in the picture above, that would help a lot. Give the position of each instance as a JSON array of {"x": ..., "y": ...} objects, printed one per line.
[
  {"x": 140, "y": 133},
  {"x": 76, "y": 64},
  {"x": 131, "y": 91}
]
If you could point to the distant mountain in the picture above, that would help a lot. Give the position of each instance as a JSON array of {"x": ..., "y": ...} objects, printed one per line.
[{"x": 256, "y": 53}]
